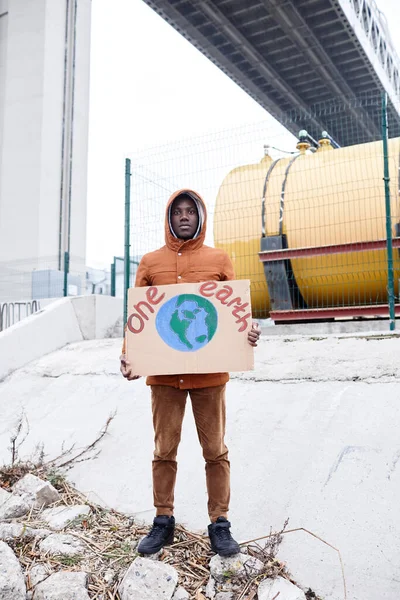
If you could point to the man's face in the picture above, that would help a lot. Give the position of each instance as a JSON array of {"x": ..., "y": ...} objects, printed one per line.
[{"x": 184, "y": 218}]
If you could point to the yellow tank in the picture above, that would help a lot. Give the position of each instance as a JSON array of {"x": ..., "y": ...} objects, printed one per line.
[{"x": 330, "y": 197}]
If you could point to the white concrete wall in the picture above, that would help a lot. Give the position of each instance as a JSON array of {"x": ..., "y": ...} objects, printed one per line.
[
  {"x": 32, "y": 56},
  {"x": 21, "y": 158},
  {"x": 98, "y": 316},
  {"x": 59, "y": 323},
  {"x": 50, "y": 137},
  {"x": 80, "y": 138},
  {"x": 3, "y": 62}
]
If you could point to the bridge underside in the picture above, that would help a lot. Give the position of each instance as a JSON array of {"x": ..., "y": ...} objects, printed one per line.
[{"x": 302, "y": 62}]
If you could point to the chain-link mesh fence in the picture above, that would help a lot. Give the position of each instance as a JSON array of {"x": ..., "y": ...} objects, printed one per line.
[
  {"x": 303, "y": 218},
  {"x": 117, "y": 274},
  {"x": 25, "y": 283},
  {"x": 27, "y": 279}
]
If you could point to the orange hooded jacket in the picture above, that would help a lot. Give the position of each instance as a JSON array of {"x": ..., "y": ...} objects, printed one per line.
[{"x": 181, "y": 261}]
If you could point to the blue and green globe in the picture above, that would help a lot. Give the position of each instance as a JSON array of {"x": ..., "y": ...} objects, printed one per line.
[{"x": 187, "y": 322}]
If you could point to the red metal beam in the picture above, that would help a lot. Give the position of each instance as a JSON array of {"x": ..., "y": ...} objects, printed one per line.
[
  {"x": 288, "y": 253},
  {"x": 377, "y": 310}
]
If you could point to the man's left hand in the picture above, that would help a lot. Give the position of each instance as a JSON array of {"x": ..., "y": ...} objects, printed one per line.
[{"x": 254, "y": 334}]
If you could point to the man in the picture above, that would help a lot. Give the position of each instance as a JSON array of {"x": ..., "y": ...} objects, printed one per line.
[{"x": 185, "y": 259}]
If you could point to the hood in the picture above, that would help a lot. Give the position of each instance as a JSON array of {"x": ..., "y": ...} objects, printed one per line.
[{"x": 171, "y": 240}]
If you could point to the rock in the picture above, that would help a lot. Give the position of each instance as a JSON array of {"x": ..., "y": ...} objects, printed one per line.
[
  {"x": 61, "y": 543},
  {"x": 210, "y": 588},
  {"x": 181, "y": 594},
  {"x": 224, "y": 596},
  {"x": 109, "y": 575},
  {"x": 12, "y": 584},
  {"x": 15, "y": 506},
  {"x": 11, "y": 531},
  {"x": 154, "y": 556},
  {"x": 60, "y": 516},
  {"x": 229, "y": 567},
  {"x": 37, "y": 574},
  {"x": 148, "y": 580},
  {"x": 271, "y": 588},
  {"x": 63, "y": 585},
  {"x": 42, "y": 492},
  {"x": 4, "y": 495},
  {"x": 38, "y": 533}
]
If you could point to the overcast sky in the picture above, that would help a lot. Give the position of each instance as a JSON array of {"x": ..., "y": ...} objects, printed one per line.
[{"x": 150, "y": 86}]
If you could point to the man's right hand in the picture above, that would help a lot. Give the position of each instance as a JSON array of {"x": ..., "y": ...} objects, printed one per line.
[{"x": 126, "y": 369}]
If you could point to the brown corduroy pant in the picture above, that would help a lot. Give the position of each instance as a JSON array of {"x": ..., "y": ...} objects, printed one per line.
[{"x": 168, "y": 406}]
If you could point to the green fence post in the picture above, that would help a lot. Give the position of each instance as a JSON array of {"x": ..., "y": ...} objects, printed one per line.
[
  {"x": 127, "y": 266},
  {"x": 113, "y": 278},
  {"x": 389, "y": 246},
  {"x": 66, "y": 271}
]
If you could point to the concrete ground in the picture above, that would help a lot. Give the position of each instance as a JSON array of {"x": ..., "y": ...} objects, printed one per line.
[{"x": 313, "y": 435}]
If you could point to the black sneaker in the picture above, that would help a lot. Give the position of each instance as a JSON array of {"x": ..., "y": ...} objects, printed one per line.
[
  {"x": 222, "y": 542},
  {"x": 160, "y": 535}
]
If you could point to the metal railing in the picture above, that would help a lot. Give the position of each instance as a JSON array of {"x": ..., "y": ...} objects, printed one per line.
[
  {"x": 373, "y": 23},
  {"x": 13, "y": 312}
]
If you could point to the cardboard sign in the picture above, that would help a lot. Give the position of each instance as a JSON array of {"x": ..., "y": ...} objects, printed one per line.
[{"x": 189, "y": 328}]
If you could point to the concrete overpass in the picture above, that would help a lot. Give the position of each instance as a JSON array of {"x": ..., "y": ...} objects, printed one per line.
[{"x": 290, "y": 55}]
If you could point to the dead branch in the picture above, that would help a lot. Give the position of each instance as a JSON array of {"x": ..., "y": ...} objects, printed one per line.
[{"x": 318, "y": 538}]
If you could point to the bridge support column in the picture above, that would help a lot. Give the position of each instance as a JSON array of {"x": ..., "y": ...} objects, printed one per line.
[{"x": 44, "y": 107}]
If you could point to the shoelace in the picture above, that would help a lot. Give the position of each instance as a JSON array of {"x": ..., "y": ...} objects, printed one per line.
[
  {"x": 223, "y": 532},
  {"x": 154, "y": 530}
]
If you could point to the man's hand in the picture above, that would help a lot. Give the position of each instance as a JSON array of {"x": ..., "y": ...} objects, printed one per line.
[
  {"x": 254, "y": 334},
  {"x": 126, "y": 369}
]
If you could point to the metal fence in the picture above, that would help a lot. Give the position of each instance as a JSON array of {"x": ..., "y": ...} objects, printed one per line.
[
  {"x": 27, "y": 279},
  {"x": 308, "y": 220},
  {"x": 118, "y": 273},
  {"x": 12, "y": 312}
]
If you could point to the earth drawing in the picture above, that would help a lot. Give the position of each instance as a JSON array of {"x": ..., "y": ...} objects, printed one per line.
[{"x": 187, "y": 322}]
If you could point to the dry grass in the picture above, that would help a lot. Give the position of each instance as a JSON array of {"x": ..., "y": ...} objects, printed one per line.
[{"x": 110, "y": 539}]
